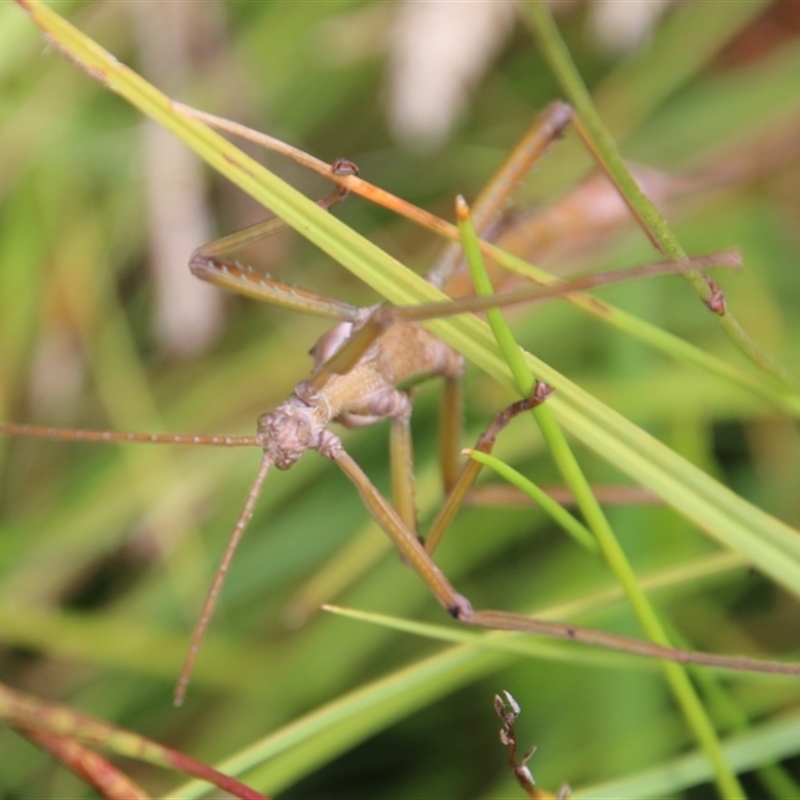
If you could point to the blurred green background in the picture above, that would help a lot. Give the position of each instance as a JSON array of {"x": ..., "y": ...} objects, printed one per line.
[{"x": 106, "y": 552}]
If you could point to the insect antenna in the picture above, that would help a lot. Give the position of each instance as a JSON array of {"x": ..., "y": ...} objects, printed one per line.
[
  {"x": 219, "y": 579},
  {"x": 84, "y": 435}
]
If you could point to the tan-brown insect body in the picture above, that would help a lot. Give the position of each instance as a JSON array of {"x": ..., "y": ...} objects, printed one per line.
[{"x": 366, "y": 394}]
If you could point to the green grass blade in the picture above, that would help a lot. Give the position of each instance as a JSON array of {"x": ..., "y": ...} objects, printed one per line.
[
  {"x": 676, "y": 675},
  {"x": 605, "y": 148}
]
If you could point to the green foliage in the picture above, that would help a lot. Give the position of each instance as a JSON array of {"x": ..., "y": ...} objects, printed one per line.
[{"x": 106, "y": 553}]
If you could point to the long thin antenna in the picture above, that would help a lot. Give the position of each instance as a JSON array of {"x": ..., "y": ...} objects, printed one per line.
[
  {"x": 219, "y": 579},
  {"x": 83, "y": 435}
]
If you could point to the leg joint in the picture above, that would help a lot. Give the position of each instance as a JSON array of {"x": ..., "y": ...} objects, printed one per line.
[{"x": 460, "y": 609}]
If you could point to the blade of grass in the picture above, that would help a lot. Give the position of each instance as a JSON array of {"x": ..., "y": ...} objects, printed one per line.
[
  {"x": 774, "y": 739},
  {"x": 510, "y": 643},
  {"x": 571, "y": 525},
  {"x": 597, "y": 137},
  {"x": 110, "y": 781},
  {"x": 31, "y": 712},
  {"x": 677, "y": 676},
  {"x": 732, "y": 718},
  {"x": 280, "y": 758}
]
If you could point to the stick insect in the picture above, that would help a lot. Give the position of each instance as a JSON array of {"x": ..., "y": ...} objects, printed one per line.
[{"x": 358, "y": 368}]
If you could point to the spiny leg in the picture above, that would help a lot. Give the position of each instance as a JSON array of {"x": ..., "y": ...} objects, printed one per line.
[
  {"x": 209, "y": 263},
  {"x": 469, "y": 472},
  {"x": 414, "y": 553},
  {"x": 547, "y": 127}
]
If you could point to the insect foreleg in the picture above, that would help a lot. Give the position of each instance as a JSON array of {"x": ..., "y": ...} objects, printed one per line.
[{"x": 469, "y": 472}]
